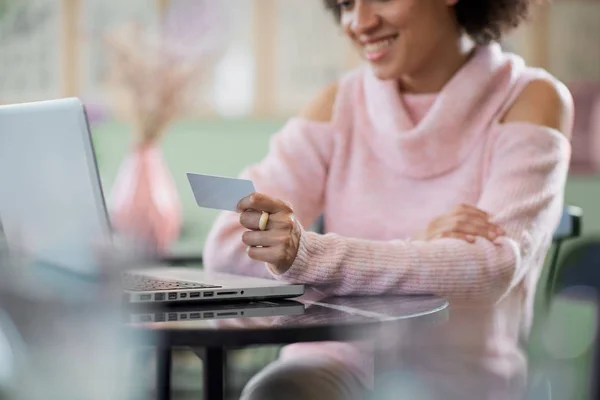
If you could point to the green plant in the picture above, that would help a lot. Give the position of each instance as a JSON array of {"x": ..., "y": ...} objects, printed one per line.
[{"x": 3, "y": 7}]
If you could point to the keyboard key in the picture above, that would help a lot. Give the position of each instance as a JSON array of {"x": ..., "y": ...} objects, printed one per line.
[{"x": 140, "y": 283}]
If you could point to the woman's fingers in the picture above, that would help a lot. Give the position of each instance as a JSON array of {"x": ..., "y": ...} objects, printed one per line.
[
  {"x": 250, "y": 219},
  {"x": 477, "y": 228},
  {"x": 468, "y": 227},
  {"x": 277, "y": 244},
  {"x": 262, "y": 202},
  {"x": 268, "y": 255},
  {"x": 465, "y": 222},
  {"x": 459, "y": 235},
  {"x": 263, "y": 238},
  {"x": 472, "y": 213},
  {"x": 486, "y": 225},
  {"x": 468, "y": 209},
  {"x": 273, "y": 256}
]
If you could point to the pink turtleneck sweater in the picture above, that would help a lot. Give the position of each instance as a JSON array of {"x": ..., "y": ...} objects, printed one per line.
[
  {"x": 386, "y": 165},
  {"x": 379, "y": 177}
]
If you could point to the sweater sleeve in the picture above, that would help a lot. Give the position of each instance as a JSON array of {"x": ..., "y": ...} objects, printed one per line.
[
  {"x": 294, "y": 170},
  {"x": 523, "y": 191}
]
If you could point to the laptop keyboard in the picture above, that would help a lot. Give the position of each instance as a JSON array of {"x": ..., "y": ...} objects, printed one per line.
[{"x": 140, "y": 283}]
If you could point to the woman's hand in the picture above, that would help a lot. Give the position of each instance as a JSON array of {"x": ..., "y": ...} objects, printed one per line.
[
  {"x": 464, "y": 222},
  {"x": 278, "y": 244}
]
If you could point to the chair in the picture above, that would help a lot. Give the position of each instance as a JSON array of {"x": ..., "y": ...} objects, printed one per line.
[
  {"x": 540, "y": 383},
  {"x": 568, "y": 228}
]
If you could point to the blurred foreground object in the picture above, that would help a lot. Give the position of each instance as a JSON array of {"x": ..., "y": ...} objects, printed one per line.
[
  {"x": 62, "y": 334},
  {"x": 156, "y": 77}
]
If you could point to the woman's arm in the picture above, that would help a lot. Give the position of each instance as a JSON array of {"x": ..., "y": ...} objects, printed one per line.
[
  {"x": 524, "y": 192},
  {"x": 294, "y": 170}
]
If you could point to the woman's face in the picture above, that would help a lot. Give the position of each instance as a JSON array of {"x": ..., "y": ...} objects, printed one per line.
[{"x": 398, "y": 37}]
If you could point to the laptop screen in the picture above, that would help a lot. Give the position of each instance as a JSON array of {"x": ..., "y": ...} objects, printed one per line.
[{"x": 51, "y": 201}]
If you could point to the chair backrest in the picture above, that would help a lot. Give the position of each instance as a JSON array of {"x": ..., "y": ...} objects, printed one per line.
[
  {"x": 568, "y": 228},
  {"x": 570, "y": 224}
]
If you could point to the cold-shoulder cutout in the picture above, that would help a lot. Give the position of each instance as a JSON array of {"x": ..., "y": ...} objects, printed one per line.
[
  {"x": 543, "y": 102},
  {"x": 321, "y": 108}
]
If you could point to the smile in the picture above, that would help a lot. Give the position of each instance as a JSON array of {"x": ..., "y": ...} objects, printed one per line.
[{"x": 376, "y": 50}]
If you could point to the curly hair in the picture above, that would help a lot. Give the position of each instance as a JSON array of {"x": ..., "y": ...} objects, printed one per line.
[{"x": 483, "y": 20}]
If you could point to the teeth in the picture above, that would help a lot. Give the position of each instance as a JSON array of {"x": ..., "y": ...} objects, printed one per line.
[{"x": 378, "y": 46}]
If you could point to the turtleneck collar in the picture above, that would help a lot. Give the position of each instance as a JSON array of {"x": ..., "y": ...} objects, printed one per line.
[{"x": 456, "y": 119}]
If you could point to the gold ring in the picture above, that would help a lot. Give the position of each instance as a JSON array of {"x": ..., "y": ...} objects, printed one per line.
[{"x": 264, "y": 220}]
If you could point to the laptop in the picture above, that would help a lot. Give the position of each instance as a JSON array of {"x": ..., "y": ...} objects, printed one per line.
[{"x": 52, "y": 207}]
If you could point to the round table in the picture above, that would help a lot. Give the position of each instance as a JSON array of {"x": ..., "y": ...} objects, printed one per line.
[{"x": 210, "y": 329}]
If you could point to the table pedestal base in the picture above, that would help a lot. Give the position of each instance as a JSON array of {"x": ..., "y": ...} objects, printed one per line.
[
  {"x": 163, "y": 373},
  {"x": 214, "y": 373}
]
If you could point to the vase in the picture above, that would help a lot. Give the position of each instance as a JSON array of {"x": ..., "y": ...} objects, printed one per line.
[{"x": 144, "y": 203}]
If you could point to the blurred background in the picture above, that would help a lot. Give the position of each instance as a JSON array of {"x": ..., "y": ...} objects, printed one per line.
[
  {"x": 239, "y": 69},
  {"x": 263, "y": 60}
]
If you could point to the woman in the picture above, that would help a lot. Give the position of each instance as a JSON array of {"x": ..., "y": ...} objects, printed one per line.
[{"x": 439, "y": 168}]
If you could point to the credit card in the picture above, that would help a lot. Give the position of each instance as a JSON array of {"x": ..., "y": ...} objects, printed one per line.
[{"x": 219, "y": 192}]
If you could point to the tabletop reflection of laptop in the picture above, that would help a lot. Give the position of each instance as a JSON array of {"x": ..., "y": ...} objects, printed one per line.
[
  {"x": 52, "y": 205},
  {"x": 210, "y": 311}
]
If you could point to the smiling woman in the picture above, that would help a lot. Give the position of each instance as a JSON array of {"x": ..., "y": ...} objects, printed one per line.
[
  {"x": 483, "y": 20},
  {"x": 410, "y": 33},
  {"x": 440, "y": 167}
]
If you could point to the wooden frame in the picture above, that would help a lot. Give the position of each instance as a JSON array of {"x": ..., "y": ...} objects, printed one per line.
[
  {"x": 534, "y": 42},
  {"x": 70, "y": 59},
  {"x": 264, "y": 31}
]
